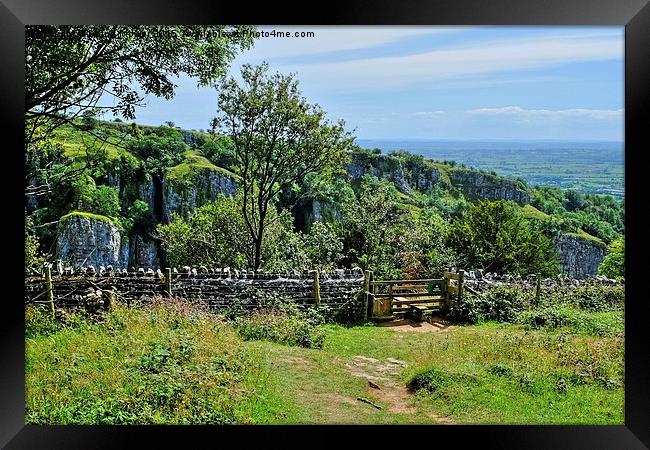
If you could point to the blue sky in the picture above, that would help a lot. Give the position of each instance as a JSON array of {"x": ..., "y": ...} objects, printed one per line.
[{"x": 440, "y": 82}]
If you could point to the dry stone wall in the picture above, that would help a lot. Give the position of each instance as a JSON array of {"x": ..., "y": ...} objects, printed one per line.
[{"x": 219, "y": 288}]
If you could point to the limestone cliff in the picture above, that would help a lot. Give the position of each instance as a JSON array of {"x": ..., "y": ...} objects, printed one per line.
[
  {"x": 476, "y": 184},
  {"x": 579, "y": 256},
  {"x": 192, "y": 184},
  {"x": 410, "y": 172},
  {"x": 89, "y": 239}
]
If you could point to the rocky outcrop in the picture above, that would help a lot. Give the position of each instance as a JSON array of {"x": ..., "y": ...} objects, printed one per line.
[
  {"x": 89, "y": 239},
  {"x": 476, "y": 184},
  {"x": 314, "y": 211},
  {"x": 386, "y": 167},
  {"x": 579, "y": 256},
  {"x": 183, "y": 195},
  {"x": 413, "y": 172}
]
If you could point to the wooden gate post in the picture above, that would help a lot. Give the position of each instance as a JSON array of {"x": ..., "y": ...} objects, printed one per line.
[
  {"x": 366, "y": 297},
  {"x": 168, "y": 281},
  {"x": 316, "y": 289},
  {"x": 50, "y": 291}
]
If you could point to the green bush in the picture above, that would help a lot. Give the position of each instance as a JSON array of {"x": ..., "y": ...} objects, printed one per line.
[
  {"x": 582, "y": 322},
  {"x": 39, "y": 320},
  {"x": 434, "y": 380},
  {"x": 502, "y": 303},
  {"x": 270, "y": 316},
  {"x": 496, "y": 236}
]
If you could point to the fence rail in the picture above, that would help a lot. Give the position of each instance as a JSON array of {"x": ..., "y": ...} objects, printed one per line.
[{"x": 385, "y": 299}]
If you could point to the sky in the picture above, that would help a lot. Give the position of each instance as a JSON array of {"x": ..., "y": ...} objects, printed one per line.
[{"x": 439, "y": 82}]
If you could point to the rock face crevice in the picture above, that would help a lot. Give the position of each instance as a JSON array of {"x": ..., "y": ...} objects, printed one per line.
[{"x": 579, "y": 257}]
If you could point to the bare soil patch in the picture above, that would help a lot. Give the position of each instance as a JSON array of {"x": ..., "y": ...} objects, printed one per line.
[
  {"x": 434, "y": 324},
  {"x": 384, "y": 384}
]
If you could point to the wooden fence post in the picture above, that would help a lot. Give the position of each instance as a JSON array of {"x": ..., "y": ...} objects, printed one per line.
[
  {"x": 366, "y": 289},
  {"x": 316, "y": 289},
  {"x": 50, "y": 291},
  {"x": 168, "y": 281},
  {"x": 461, "y": 281}
]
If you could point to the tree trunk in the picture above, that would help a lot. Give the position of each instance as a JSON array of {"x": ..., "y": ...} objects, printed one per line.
[{"x": 258, "y": 253}]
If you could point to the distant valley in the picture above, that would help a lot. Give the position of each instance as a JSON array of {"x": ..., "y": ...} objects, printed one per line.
[{"x": 594, "y": 167}]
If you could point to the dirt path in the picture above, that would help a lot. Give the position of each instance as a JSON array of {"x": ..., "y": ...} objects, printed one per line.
[
  {"x": 384, "y": 384},
  {"x": 435, "y": 324}
]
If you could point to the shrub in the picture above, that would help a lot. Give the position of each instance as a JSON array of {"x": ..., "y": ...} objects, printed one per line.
[
  {"x": 278, "y": 327},
  {"x": 596, "y": 324},
  {"x": 437, "y": 380},
  {"x": 39, "y": 320},
  {"x": 613, "y": 266},
  {"x": 598, "y": 298},
  {"x": 273, "y": 317},
  {"x": 502, "y": 304}
]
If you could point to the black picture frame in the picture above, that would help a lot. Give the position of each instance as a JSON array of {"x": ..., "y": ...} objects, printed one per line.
[{"x": 633, "y": 14}]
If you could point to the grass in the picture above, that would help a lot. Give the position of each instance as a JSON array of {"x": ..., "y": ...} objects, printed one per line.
[
  {"x": 584, "y": 235},
  {"x": 192, "y": 164},
  {"x": 506, "y": 375},
  {"x": 531, "y": 212},
  {"x": 163, "y": 364},
  {"x": 88, "y": 215},
  {"x": 171, "y": 364},
  {"x": 75, "y": 142}
]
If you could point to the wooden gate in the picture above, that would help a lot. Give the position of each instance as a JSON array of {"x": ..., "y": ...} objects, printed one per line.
[{"x": 388, "y": 299}]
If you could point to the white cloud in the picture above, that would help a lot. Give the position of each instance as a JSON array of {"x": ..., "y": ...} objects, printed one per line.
[
  {"x": 428, "y": 114},
  {"x": 464, "y": 61},
  {"x": 519, "y": 112}
]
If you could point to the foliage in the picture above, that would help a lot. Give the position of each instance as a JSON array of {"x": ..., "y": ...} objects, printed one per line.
[
  {"x": 105, "y": 201},
  {"x": 602, "y": 216},
  {"x": 323, "y": 246},
  {"x": 68, "y": 68},
  {"x": 278, "y": 139},
  {"x": 494, "y": 236},
  {"x": 273, "y": 317},
  {"x": 502, "y": 304},
  {"x": 215, "y": 235},
  {"x": 370, "y": 223},
  {"x": 34, "y": 259},
  {"x": 586, "y": 309},
  {"x": 218, "y": 149},
  {"x": 613, "y": 266},
  {"x": 160, "y": 150}
]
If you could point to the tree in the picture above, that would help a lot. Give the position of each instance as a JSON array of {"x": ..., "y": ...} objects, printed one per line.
[
  {"x": 372, "y": 226},
  {"x": 613, "y": 266},
  {"x": 68, "y": 69},
  {"x": 215, "y": 235},
  {"x": 278, "y": 138},
  {"x": 323, "y": 246},
  {"x": 495, "y": 236}
]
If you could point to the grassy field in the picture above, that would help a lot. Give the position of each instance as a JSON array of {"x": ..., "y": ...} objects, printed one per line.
[{"x": 173, "y": 364}]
